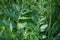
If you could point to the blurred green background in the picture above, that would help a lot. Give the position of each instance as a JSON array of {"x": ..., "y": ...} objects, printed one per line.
[{"x": 29, "y": 19}]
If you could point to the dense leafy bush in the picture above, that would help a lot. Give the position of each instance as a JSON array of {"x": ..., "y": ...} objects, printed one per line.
[{"x": 29, "y": 19}]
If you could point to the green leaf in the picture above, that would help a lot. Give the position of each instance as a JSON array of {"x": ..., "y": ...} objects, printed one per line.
[{"x": 10, "y": 14}]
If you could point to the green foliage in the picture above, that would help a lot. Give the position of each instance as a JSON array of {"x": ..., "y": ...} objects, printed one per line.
[{"x": 29, "y": 19}]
